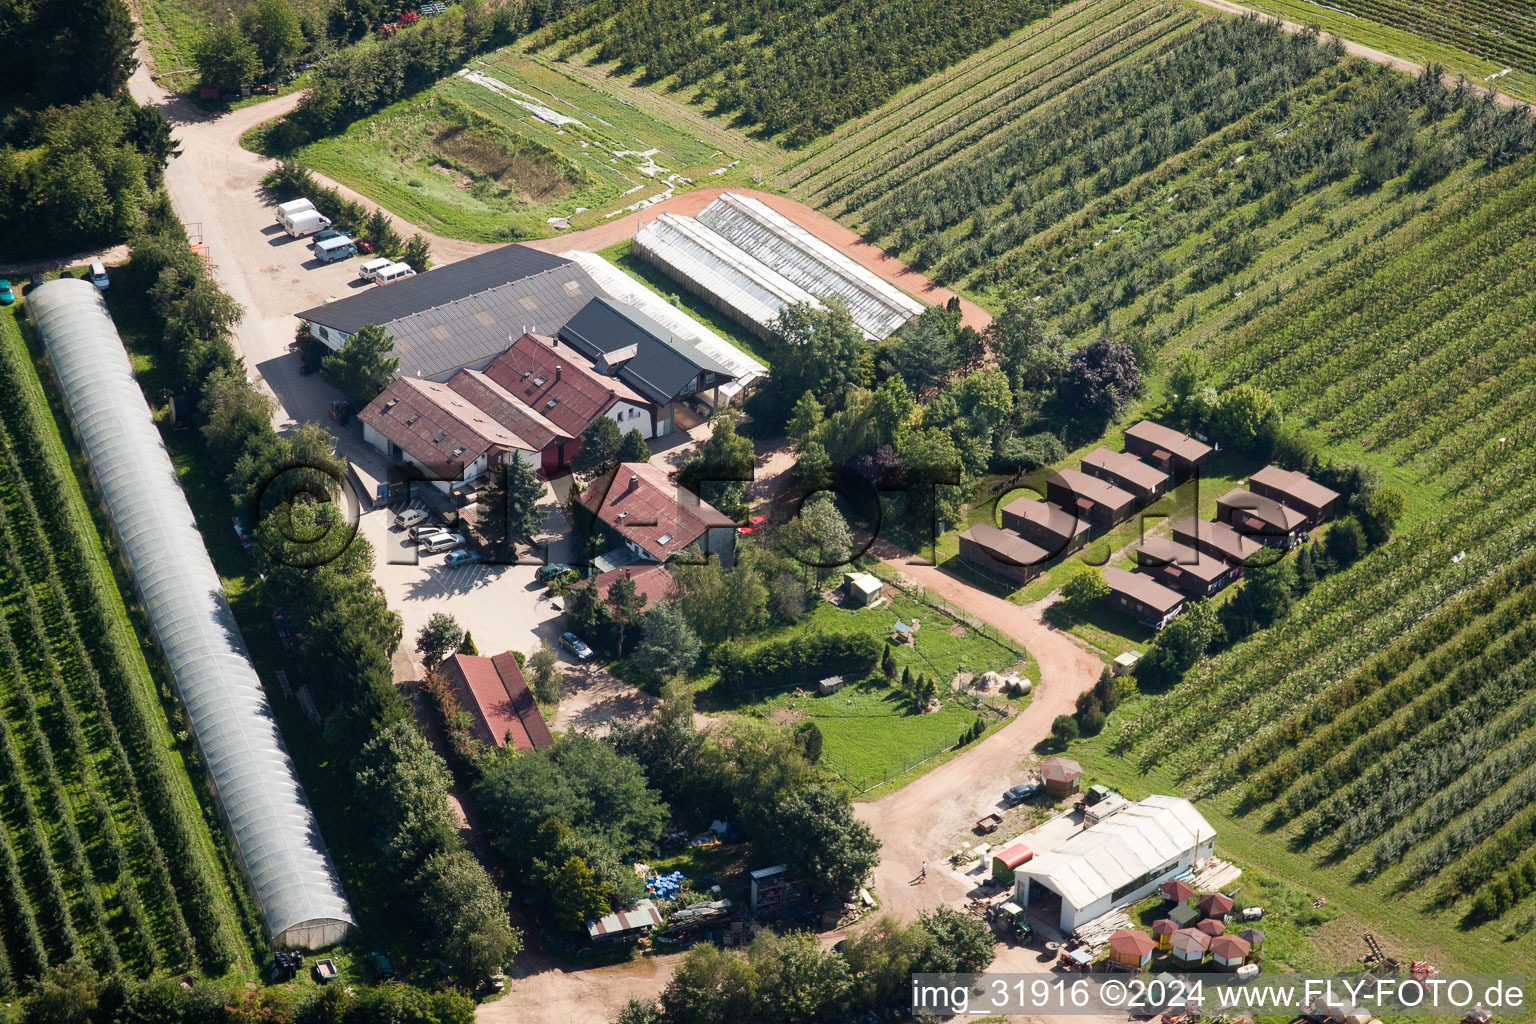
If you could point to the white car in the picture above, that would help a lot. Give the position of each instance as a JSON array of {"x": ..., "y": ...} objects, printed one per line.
[
  {"x": 439, "y": 542},
  {"x": 409, "y": 518},
  {"x": 99, "y": 277}
]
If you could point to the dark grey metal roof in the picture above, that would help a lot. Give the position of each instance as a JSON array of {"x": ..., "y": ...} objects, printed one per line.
[
  {"x": 384, "y": 304},
  {"x": 662, "y": 363}
]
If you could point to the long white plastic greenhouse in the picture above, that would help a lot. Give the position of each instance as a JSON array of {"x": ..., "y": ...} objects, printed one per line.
[
  {"x": 253, "y": 778},
  {"x": 878, "y": 307}
]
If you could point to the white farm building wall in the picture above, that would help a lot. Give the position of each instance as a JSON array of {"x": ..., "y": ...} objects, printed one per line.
[{"x": 252, "y": 777}]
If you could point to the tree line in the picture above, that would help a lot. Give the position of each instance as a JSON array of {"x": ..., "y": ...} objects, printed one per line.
[
  {"x": 343, "y": 627},
  {"x": 358, "y": 81},
  {"x": 796, "y": 69}
]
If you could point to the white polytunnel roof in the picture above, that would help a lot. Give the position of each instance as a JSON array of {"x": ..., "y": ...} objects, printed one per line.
[
  {"x": 1135, "y": 840},
  {"x": 878, "y": 307},
  {"x": 690, "y": 252},
  {"x": 253, "y": 778},
  {"x": 626, "y": 289}
]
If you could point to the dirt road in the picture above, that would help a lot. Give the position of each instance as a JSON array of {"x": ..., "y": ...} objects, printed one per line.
[
  {"x": 1361, "y": 50},
  {"x": 917, "y": 823}
]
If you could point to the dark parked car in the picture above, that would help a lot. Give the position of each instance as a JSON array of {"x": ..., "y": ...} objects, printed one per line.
[
  {"x": 573, "y": 643},
  {"x": 551, "y": 572},
  {"x": 1019, "y": 794}
]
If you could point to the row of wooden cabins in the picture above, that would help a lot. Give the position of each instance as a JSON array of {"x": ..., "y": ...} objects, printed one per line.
[
  {"x": 1109, "y": 487},
  {"x": 1199, "y": 560},
  {"x": 1203, "y": 557}
]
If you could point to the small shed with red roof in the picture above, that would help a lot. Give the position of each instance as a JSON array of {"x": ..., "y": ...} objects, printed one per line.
[{"x": 1061, "y": 775}]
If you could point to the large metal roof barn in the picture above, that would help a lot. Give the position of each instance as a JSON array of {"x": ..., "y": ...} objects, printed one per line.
[
  {"x": 626, "y": 289},
  {"x": 1119, "y": 860},
  {"x": 253, "y": 779}
]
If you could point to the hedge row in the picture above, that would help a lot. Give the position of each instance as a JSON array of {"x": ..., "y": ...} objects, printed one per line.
[
  {"x": 359, "y": 81},
  {"x": 811, "y": 655}
]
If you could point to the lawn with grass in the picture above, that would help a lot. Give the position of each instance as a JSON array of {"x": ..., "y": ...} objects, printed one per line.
[
  {"x": 512, "y": 148},
  {"x": 869, "y": 730}
]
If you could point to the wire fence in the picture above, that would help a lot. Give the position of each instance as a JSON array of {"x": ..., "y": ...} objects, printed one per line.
[{"x": 923, "y": 595}]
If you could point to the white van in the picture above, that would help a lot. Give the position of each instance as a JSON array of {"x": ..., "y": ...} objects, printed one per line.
[
  {"x": 370, "y": 270},
  {"x": 292, "y": 208},
  {"x": 99, "y": 277},
  {"x": 394, "y": 272},
  {"x": 305, "y": 222}
]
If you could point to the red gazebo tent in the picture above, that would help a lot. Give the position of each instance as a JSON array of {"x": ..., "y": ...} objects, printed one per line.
[
  {"x": 1212, "y": 926},
  {"x": 1131, "y": 948},
  {"x": 1176, "y": 890},
  {"x": 1214, "y": 904},
  {"x": 1163, "y": 930}
]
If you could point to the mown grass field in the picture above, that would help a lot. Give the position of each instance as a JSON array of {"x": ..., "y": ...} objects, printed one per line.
[
  {"x": 516, "y": 151},
  {"x": 105, "y": 850},
  {"x": 870, "y": 732}
]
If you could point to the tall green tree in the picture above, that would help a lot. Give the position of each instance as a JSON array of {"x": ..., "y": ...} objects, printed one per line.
[
  {"x": 364, "y": 366},
  {"x": 225, "y": 58},
  {"x": 544, "y": 675},
  {"x": 805, "y": 420},
  {"x": 633, "y": 448},
  {"x": 439, "y": 638},
  {"x": 273, "y": 27},
  {"x": 380, "y": 230},
  {"x": 720, "y": 467},
  {"x": 600, "y": 444},
  {"x": 510, "y": 509},
  {"x": 819, "y": 350},
  {"x": 923, "y": 352},
  {"x": 669, "y": 645},
  {"x": 627, "y": 603},
  {"x": 816, "y": 833}
]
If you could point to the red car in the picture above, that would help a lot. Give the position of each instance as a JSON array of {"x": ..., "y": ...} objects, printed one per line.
[
  {"x": 364, "y": 246},
  {"x": 754, "y": 524}
]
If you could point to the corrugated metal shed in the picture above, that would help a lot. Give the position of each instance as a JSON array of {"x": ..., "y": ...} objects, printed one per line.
[
  {"x": 637, "y": 349},
  {"x": 383, "y": 305},
  {"x": 253, "y": 780},
  {"x": 645, "y": 915},
  {"x": 878, "y": 307},
  {"x": 1093, "y": 863}
]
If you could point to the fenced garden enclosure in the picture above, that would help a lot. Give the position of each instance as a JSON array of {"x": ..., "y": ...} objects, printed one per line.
[{"x": 873, "y": 730}]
